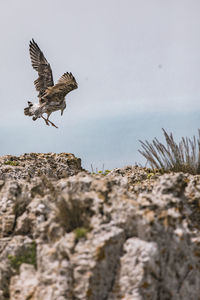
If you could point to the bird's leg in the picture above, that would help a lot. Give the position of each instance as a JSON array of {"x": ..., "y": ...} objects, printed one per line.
[
  {"x": 46, "y": 121},
  {"x": 51, "y": 123},
  {"x": 48, "y": 115}
]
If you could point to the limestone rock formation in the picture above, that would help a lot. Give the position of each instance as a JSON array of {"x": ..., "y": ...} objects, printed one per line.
[{"x": 66, "y": 234}]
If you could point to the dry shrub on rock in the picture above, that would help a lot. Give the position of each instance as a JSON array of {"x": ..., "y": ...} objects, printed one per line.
[{"x": 178, "y": 157}]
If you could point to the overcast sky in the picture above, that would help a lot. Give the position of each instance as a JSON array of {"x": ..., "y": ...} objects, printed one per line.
[{"x": 137, "y": 63}]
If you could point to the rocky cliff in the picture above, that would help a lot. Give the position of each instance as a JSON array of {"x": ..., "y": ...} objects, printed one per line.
[{"x": 66, "y": 234}]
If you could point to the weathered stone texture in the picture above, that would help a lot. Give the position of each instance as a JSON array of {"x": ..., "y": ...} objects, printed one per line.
[{"x": 67, "y": 234}]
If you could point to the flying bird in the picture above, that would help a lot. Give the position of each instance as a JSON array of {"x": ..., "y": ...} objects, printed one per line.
[{"x": 51, "y": 97}]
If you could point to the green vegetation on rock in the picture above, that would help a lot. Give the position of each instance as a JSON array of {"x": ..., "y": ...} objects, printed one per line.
[
  {"x": 11, "y": 163},
  {"x": 80, "y": 232},
  {"x": 27, "y": 256},
  {"x": 101, "y": 172}
]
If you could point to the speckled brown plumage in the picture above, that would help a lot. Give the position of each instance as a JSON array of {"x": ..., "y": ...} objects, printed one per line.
[{"x": 51, "y": 97}]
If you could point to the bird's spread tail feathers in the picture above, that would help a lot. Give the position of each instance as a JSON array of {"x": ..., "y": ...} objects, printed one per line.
[{"x": 27, "y": 110}]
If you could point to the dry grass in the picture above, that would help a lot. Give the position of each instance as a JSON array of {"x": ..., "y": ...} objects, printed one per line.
[{"x": 181, "y": 157}]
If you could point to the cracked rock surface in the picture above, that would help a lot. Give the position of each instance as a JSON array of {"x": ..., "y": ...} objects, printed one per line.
[{"x": 66, "y": 234}]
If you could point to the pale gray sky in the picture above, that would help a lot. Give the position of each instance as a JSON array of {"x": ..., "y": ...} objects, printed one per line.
[{"x": 137, "y": 63}]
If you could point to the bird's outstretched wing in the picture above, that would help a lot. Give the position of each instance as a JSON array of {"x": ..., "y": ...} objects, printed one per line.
[
  {"x": 65, "y": 84},
  {"x": 41, "y": 65}
]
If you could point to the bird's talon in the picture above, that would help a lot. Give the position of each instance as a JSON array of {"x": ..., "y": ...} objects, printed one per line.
[{"x": 47, "y": 123}]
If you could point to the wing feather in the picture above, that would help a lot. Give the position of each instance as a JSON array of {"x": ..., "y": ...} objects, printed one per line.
[
  {"x": 65, "y": 84},
  {"x": 41, "y": 65}
]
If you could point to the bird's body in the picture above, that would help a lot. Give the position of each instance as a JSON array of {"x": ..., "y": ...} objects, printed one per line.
[{"x": 51, "y": 97}]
